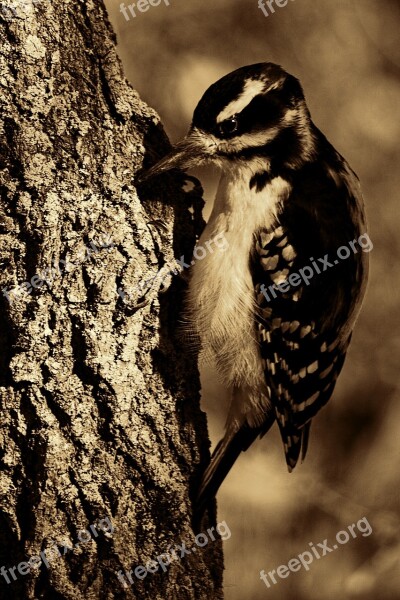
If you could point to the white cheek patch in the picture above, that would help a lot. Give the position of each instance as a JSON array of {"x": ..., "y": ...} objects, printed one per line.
[
  {"x": 251, "y": 89},
  {"x": 211, "y": 145},
  {"x": 248, "y": 140}
]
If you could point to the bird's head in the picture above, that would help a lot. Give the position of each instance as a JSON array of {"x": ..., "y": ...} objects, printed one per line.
[{"x": 254, "y": 112}]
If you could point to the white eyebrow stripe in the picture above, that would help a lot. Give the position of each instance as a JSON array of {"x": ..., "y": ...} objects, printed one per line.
[
  {"x": 251, "y": 89},
  {"x": 275, "y": 86}
]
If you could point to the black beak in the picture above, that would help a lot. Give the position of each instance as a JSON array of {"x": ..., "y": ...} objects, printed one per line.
[{"x": 186, "y": 154}]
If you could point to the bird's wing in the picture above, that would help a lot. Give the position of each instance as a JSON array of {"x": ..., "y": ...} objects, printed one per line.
[
  {"x": 304, "y": 331},
  {"x": 302, "y": 355}
]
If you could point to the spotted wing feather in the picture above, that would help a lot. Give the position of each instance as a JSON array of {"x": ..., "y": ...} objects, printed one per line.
[{"x": 304, "y": 329}]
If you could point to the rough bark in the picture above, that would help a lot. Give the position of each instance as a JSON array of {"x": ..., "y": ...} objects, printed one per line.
[{"x": 99, "y": 401}]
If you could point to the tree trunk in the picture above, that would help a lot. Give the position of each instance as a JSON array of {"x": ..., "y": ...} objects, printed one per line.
[{"x": 101, "y": 434}]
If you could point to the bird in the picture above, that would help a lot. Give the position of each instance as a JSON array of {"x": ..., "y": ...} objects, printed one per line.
[{"x": 276, "y": 310}]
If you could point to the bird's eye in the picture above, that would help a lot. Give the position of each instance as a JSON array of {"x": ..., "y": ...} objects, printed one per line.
[{"x": 229, "y": 126}]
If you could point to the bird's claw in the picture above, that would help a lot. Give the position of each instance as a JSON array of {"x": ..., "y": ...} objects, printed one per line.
[{"x": 159, "y": 224}]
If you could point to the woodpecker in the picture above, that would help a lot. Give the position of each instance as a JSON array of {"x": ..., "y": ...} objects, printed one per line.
[{"x": 286, "y": 197}]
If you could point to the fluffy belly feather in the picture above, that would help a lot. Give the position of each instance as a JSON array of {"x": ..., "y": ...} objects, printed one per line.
[{"x": 221, "y": 302}]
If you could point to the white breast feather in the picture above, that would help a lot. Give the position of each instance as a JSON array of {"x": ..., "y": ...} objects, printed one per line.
[{"x": 221, "y": 301}]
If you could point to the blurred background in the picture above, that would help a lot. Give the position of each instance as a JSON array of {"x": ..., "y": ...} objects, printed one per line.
[{"x": 346, "y": 53}]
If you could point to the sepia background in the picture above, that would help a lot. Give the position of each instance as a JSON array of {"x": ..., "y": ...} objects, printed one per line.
[{"x": 346, "y": 53}]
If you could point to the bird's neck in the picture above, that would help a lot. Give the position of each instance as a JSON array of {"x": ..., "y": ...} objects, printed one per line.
[{"x": 241, "y": 207}]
